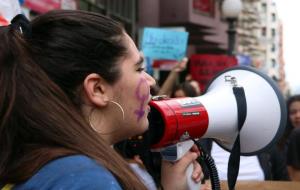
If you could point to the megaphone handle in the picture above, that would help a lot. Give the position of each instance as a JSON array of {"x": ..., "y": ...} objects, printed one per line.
[
  {"x": 192, "y": 185},
  {"x": 176, "y": 152}
]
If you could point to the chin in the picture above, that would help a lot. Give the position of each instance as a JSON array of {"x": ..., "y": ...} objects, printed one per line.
[{"x": 143, "y": 127}]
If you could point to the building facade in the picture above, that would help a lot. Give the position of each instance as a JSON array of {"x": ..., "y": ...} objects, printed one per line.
[
  {"x": 200, "y": 18},
  {"x": 260, "y": 36},
  {"x": 270, "y": 37},
  {"x": 248, "y": 33},
  {"x": 123, "y": 11}
]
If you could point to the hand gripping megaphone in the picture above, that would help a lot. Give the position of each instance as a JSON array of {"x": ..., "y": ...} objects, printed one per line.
[{"x": 216, "y": 113}]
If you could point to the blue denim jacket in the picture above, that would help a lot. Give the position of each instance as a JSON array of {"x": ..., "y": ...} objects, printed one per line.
[{"x": 71, "y": 172}]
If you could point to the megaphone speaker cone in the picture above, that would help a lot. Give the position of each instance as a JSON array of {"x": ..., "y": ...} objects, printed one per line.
[{"x": 215, "y": 114}]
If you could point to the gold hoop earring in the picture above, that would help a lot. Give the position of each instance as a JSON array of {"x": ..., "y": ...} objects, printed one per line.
[
  {"x": 120, "y": 107},
  {"x": 90, "y": 121},
  {"x": 94, "y": 128}
]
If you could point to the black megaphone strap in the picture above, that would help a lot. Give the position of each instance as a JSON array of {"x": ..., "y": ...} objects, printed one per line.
[{"x": 234, "y": 158}]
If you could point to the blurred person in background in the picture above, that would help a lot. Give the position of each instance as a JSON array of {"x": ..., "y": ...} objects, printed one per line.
[
  {"x": 184, "y": 89},
  {"x": 293, "y": 137},
  {"x": 267, "y": 165},
  {"x": 194, "y": 83},
  {"x": 172, "y": 78}
]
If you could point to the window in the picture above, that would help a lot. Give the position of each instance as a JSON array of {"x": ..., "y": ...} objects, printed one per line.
[
  {"x": 122, "y": 10},
  {"x": 273, "y": 48},
  {"x": 273, "y": 32},
  {"x": 273, "y": 17},
  {"x": 204, "y": 7},
  {"x": 264, "y": 7},
  {"x": 264, "y": 31},
  {"x": 273, "y": 61}
]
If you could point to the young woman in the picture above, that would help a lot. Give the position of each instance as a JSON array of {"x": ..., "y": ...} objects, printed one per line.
[
  {"x": 72, "y": 85},
  {"x": 293, "y": 141}
]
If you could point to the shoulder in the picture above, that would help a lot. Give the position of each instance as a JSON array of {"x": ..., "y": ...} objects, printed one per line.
[
  {"x": 294, "y": 139},
  {"x": 71, "y": 172},
  {"x": 295, "y": 133},
  {"x": 293, "y": 151}
]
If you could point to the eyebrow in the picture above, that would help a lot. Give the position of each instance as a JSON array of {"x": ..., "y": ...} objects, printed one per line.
[{"x": 140, "y": 61}]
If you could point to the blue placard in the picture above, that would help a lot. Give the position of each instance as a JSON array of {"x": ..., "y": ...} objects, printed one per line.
[
  {"x": 164, "y": 44},
  {"x": 244, "y": 60}
]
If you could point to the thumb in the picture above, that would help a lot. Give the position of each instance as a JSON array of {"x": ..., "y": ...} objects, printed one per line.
[
  {"x": 183, "y": 63},
  {"x": 186, "y": 160}
]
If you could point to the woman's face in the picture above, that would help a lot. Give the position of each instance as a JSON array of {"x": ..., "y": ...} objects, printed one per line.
[
  {"x": 132, "y": 91},
  {"x": 294, "y": 115},
  {"x": 179, "y": 94}
]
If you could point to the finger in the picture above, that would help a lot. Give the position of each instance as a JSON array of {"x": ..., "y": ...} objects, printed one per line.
[
  {"x": 183, "y": 62},
  {"x": 185, "y": 59},
  {"x": 186, "y": 160},
  {"x": 167, "y": 164},
  {"x": 195, "y": 149},
  {"x": 202, "y": 176},
  {"x": 197, "y": 172}
]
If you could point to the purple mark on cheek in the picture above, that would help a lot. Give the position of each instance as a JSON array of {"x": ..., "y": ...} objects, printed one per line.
[{"x": 142, "y": 98}]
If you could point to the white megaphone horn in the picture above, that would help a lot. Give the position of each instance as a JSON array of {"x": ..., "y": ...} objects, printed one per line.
[{"x": 215, "y": 113}]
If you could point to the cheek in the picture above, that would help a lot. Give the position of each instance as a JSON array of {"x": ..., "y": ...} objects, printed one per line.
[
  {"x": 293, "y": 118},
  {"x": 142, "y": 97}
]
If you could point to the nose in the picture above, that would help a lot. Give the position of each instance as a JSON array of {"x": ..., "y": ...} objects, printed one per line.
[{"x": 151, "y": 81}]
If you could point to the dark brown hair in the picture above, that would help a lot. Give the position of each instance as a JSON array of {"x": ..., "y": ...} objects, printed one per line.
[
  {"x": 187, "y": 88},
  {"x": 40, "y": 79},
  {"x": 289, "y": 127}
]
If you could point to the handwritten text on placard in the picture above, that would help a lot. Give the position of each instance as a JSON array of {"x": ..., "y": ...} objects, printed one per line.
[{"x": 164, "y": 44}]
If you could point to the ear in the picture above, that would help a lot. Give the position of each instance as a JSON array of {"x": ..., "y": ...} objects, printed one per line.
[{"x": 96, "y": 90}]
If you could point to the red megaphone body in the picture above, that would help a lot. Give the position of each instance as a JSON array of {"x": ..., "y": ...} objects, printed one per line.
[{"x": 177, "y": 117}]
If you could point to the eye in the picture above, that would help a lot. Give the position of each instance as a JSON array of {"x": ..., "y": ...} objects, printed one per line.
[
  {"x": 292, "y": 112},
  {"x": 140, "y": 69}
]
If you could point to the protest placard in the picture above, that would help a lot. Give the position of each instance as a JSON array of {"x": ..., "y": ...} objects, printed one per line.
[{"x": 160, "y": 43}]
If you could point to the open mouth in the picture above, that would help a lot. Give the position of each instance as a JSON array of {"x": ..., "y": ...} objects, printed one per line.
[{"x": 149, "y": 99}]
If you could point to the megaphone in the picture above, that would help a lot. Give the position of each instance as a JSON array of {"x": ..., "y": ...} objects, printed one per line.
[{"x": 215, "y": 114}]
